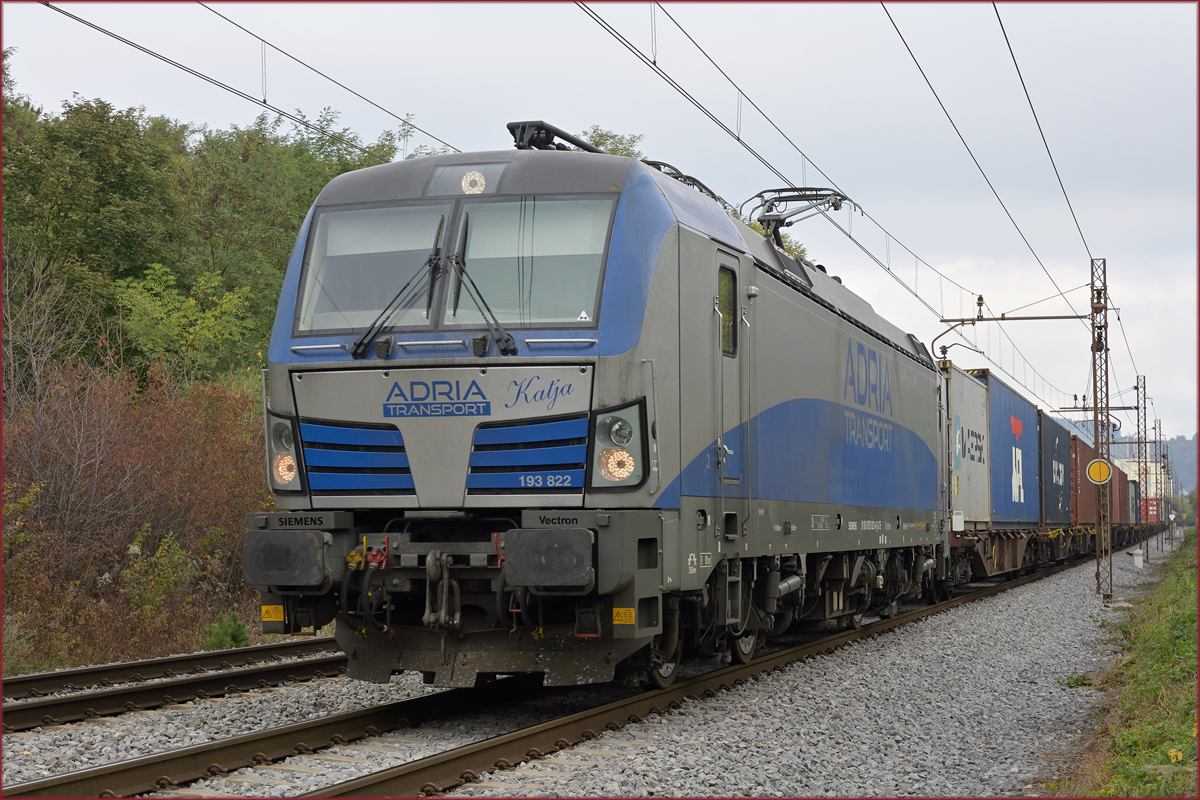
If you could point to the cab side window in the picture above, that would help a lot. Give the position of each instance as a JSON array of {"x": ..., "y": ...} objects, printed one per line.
[{"x": 727, "y": 304}]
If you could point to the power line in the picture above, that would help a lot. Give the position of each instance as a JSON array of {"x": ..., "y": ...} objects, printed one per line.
[
  {"x": 976, "y": 161},
  {"x": 803, "y": 155},
  {"x": 1043, "y": 300},
  {"x": 326, "y": 77},
  {"x": 1040, "y": 131},
  {"x": 651, "y": 63},
  {"x": 219, "y": 84},
  {"x": 1049, "y": 155},
  {"x": 683, "y": 92}
]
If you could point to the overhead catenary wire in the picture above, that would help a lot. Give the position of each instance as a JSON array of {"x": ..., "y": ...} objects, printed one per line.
[
  {"x": 336, "y": 82},
  {"x": 1041, "y": 133},
  {"x": 632, "y": 48},
  {"x": 975, "y": 160},
  {"x": 1043, "y": 300},
  {"x": 847, "y": 231},
  {"x": 1057, "y": 175},
  {"x": 292, "y": 117},
  {"x": 805, "y": 160}
]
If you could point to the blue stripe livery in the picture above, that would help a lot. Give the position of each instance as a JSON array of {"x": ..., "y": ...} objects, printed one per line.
[
  {"x": 361, "y": 437},
  {"x": 354, "y": 459},
  {"x": 527, "y": 457},
  {"x": 817, "y": 451},
  {"x": 351, "y": 482},
  {"x": 543, "y": 432}
]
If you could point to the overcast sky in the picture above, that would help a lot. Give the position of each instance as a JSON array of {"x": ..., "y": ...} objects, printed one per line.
[{"x": 1113, "y": 84}]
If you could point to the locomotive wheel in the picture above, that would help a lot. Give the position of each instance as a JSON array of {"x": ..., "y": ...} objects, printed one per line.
[
  {"x": 665, "y": 673},
  {"x": 937, "y": 593},
  {"x": 743, "y": 648},
  {"x": 852, "y": 621}
]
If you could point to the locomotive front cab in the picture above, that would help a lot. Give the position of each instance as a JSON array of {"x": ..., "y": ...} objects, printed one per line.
[{"x": 460, "y": 409}]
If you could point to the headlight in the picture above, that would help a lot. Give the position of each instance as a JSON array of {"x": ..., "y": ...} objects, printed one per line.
[
  {"x": 284, "y": 468},
  {"x": 618, "y": 430},
  {"x": 283, "y": 463},
  {"x": 616, "y": 465},
  {"x": 619, "y": 448},
  {"x": 281, "y": 436}
]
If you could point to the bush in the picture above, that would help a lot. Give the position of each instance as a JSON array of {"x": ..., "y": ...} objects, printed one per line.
[
  {"x": 224, "y": 634},
  {"x": 124, "y": 507}
]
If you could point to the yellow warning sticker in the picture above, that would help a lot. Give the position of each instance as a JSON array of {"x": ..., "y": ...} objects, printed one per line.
[
  {"x": 622, "y": 616},
  {"x": 272, "y": 613}
]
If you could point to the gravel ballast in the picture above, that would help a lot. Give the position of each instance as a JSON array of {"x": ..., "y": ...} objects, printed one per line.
[
  {"x": 42, "y": 752},
  {"x": 974, "y": 701}
]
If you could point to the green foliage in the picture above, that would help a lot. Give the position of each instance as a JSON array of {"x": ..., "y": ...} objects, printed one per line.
[
  {"x": 93, "y": 185},
  {"x": 149, "y": 582},
  {"x": 1074, "y": 680},
  {"x": 790, "y": 246},
  {"x": 125, "y": 211},
  {"x": 614, "y": 143},
  {"x": 224, "y": 634},
  {"x": 193, "y": 332}
]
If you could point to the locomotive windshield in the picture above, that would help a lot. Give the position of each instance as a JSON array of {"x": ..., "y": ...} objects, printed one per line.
[
  {"x": 536, "y": 261},
  {"x": 360, "y": 258}
]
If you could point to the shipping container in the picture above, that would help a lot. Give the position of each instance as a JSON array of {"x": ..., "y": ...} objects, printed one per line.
[
  {"x": 1055, "y": 443},
  {"x": 967, "y": 420},
  {"x": 1135, "y": 502},
  {"x": 1013, "y": 454},
  {"x": 1119, "y": 505},
  {"x": 1083, "y": 491}
]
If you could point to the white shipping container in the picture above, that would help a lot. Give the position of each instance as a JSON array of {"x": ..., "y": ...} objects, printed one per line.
[{"x": 967, "y": 432}]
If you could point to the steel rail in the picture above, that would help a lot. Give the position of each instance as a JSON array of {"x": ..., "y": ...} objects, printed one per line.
[
  {"x": 171, "y": 768},
  {"x": 436, "y": 774},
  {"x": 60, "y": 709},
  {"x": 42, "y": 683}
]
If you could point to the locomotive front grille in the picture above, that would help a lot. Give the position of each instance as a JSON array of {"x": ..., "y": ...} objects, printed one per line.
[
  {"x": 539, "y": 457},
  {"x": 358, "y": 460}
]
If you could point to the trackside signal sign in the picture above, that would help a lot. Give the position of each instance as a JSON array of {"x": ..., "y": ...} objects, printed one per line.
[{"x": 1099, "y": 471}]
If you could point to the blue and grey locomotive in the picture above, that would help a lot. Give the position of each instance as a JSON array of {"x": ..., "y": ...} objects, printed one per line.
[{"x": 556, "y": 411}]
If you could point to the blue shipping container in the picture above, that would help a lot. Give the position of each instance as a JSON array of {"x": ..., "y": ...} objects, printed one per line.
[
  {"x": 1013, "y": 428},
  {"x": 1056, "y": 472}
]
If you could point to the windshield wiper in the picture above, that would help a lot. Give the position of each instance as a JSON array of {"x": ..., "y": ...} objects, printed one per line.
[
  {"x": 404, "y": 297},
  {"x": 502, "y": 337}
]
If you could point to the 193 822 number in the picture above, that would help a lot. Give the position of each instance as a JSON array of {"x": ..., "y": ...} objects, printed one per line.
[{"x": 554, "y": 481}]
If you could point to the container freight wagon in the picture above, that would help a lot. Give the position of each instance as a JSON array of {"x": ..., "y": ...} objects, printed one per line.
[
  {"x": 1055, "y": 442},
  {"x": 1055, "y": 486},
  {"x": 1083, "y": 491},
  {"x": 1119, "y": 499},
  {"x": 969, "y": 480},
  {"x": 1013, "y": 457},
  {"x": 1012, "y": 463}
]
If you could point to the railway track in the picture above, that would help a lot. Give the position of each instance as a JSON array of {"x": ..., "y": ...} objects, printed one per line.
[
  {"x": 438, "y": 773},
  {"x": 156, "y": 682}
]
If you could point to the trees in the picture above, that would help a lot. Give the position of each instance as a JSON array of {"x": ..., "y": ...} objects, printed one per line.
[{"x": 614, "y": 143}]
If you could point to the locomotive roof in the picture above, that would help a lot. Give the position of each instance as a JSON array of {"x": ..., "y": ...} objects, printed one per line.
[{"x": 528, "y": 172}]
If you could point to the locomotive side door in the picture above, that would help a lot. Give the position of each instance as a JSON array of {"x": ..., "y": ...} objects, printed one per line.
[{"x": 730, "y": 353}]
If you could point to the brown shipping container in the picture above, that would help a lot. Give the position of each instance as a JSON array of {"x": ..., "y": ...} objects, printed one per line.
[
  {"x": 1083, "y": 491},
  {"x": 1119, "y": 502}
]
